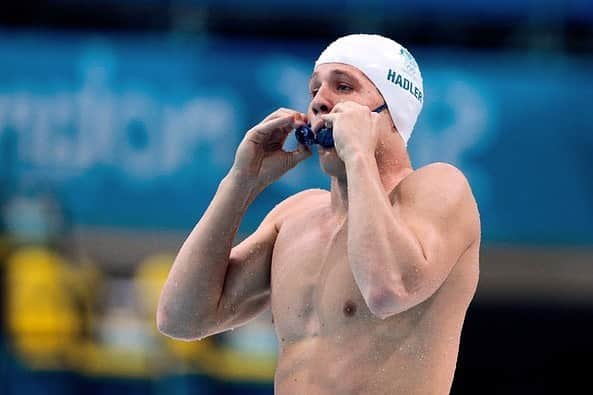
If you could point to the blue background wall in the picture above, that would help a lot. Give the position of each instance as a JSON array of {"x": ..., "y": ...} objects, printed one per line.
[
  {"x": 137, "y": 131},
  {"x": 118, "y": 119}
]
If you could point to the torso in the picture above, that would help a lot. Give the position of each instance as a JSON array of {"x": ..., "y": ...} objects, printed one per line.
[{"x": 330, "y": 343}]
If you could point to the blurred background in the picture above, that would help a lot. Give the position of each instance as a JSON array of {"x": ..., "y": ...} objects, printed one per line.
[{"x": 118, "y": 119}]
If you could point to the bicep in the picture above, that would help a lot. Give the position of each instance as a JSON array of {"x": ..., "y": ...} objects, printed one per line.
[
  {"x": 443, "y": 219},
  {"x": 441, "y": 249}
]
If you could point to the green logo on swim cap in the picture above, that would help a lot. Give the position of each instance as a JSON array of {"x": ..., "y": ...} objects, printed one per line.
[
  {"x": 406, "y": 54},
  {"x": 404, "y": 83},
  {"x": 409, "y": 63}
]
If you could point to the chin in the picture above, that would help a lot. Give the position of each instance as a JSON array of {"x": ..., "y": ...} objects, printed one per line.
[{"x": 331, "y": 163}]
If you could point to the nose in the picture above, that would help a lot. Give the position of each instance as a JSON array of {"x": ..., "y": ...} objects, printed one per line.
[{"x": 322, "y": 102}]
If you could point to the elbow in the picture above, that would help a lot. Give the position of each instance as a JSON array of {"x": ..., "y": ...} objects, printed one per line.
[
  {"x": 177, "y": 329},
  {"x": 384, "y": 302},
  {"x": 163, "y": 324}
]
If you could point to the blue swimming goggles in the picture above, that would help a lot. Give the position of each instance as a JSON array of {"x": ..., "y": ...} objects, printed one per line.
[{"x": 324, "y": 137}]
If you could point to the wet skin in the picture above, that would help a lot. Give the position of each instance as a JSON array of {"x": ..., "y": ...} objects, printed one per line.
[
  {"x": 368, "y": 283},
  {"x": 330, "y": 343}
]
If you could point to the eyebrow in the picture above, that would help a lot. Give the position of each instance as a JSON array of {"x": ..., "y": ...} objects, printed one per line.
[{"x": 333, "y": 74}]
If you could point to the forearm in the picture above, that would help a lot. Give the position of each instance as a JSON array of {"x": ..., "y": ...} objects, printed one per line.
[
  {"x": 195, "y": 282},
  {"x": 384, "y": 255}
]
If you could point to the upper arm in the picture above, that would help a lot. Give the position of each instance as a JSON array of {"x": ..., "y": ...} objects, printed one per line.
[
  {"x": 438, "y": 207},
  {"x": 246, "y": 289}
]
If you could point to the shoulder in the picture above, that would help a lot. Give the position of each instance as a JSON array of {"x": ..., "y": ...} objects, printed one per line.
[
  {"x": 299, "y": 203},
  {"x": 438, "y": 175},
  {"x": 436, "y": 182},
  {"x": 303, "y": 197},
  {"x": 440, "y": 192}
]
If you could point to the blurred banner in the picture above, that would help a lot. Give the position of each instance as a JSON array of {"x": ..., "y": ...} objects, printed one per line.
[{"x": 137, "y": 131}]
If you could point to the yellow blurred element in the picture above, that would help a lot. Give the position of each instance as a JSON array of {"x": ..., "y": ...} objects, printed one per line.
[
  {"x": 53, "y": 324},
  {"x": 42, "y": 316},
  {"x": 150, "y": 278},
  {"x": 204, "y": 356},
  {"x": 97, "y": 360}
]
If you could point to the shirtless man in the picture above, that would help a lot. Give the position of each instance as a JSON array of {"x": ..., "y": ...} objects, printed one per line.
[{"x": 368, "y": 283}]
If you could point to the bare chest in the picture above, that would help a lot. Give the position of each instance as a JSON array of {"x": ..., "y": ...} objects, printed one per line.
[{"x": 313, "y": 289}]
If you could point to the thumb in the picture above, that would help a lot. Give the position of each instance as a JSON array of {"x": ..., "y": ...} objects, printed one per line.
[{"x": 297, "y": 156}]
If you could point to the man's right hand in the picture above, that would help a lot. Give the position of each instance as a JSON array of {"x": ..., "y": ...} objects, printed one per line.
[{"x": 260, "y": 156}]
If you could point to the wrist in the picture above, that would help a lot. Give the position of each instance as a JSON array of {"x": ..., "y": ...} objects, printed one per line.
[
  {"x": 359, "y": 158},
  {"x": 242, "y": 183}
]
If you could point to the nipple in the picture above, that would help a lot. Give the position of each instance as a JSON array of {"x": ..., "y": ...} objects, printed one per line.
[{"x": 349, "y": 308}]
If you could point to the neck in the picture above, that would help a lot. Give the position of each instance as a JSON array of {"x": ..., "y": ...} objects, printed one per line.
[{"x": 393, "y": 164}]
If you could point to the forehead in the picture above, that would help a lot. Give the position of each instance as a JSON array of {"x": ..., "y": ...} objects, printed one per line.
[{"x": 330, "y": 70}]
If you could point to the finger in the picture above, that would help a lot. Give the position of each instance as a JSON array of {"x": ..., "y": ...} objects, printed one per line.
[
  {"x": 282, "y": 112},
  {"x": 339, "y": 107},
  {"x": 344, "y": 106},
  {"x": 293, "y": 158},
  {"x": 288, "y": 121},
  {"x": 326, "y": 120},
  {"x": 284, "y": 123}
]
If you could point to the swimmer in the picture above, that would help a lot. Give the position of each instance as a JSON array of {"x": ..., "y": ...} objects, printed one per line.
[{"x": 368, "y": 282}]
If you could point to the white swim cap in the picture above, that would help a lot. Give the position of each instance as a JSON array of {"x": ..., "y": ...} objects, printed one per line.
[{"x": 390, "y": 67}]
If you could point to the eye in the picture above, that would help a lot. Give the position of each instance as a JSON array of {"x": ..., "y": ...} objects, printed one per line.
[
  {"x": 313, "y": 91},
  {"x": 344, "y": 87}
]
